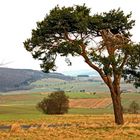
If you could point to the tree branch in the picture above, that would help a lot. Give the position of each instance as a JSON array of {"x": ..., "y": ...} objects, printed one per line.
[
  {"x": 105, "y": 78},
  {"x": 124, "y": 61},
  {"x": 84, "y": 54},
  {"x": 67, "y": 37}
]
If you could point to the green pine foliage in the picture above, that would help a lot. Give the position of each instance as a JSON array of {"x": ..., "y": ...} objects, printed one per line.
[{"x": 50, "y": 38}]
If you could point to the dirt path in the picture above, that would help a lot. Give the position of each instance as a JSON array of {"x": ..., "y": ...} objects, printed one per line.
[{"x": 90, "y": 103}]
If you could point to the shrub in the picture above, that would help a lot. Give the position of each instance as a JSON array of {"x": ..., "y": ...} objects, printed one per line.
[
  {"x": 134, "y": 108},
  {"x": 55, "y": 103}
]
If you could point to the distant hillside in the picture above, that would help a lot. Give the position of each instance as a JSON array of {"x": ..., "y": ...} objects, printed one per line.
[{"x": 19, "y": 79}]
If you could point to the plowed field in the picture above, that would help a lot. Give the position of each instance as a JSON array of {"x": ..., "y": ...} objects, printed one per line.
[{"x": 90, "y": 103}]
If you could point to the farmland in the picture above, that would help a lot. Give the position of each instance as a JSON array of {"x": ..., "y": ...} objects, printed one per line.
[
  {"x": 91, "y": 84},
  {"x": 90, "y": 114},
  {"x": 20, "y": 106}
]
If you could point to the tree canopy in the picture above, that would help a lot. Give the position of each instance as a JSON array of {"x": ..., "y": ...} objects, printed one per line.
[
  {"x": 132, "y": 71},
  {"x": 65, "y": 30}
]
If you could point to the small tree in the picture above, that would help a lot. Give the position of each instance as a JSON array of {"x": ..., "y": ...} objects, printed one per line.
[
  {"x": 55, "y": 103},
  {"x": 134, "y": 107}
]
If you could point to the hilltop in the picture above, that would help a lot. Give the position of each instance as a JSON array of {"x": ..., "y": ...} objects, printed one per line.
[{"x": 20, "y": 79}]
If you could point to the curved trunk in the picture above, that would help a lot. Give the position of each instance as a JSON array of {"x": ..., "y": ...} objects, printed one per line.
[
  {"x": 116, "y": 98},
  {"x": 118, "y": 110},
  {"x": 114, "y": 85}
]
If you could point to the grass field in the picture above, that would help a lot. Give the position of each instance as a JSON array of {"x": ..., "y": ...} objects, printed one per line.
[
  {"x": 72, "y": 127},
  {"x": 52, "y": 84},
  {"x": 86, "y": 122},
  {"x": 23, "y": 106}
]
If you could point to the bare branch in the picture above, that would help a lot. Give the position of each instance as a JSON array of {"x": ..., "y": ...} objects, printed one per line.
[{"x": 84, "y": 54}]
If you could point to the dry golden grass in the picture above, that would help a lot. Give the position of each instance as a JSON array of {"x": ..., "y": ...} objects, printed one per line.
[
  {"x": 74, "y": 127},
  {"x": 15, "y": 128}
]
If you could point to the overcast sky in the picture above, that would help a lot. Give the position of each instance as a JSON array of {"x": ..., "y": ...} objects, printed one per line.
[{"x": 19, "y": 17}]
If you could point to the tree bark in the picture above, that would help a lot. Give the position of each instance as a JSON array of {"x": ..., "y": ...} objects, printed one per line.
[
  {"x": 118, "y": 110},
  {"x": 114, "y": 85}
]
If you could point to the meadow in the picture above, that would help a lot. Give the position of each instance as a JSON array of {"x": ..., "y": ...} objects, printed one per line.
[
  {"x": 90, "y": 116},
  {"x": 23, "y": 106}
]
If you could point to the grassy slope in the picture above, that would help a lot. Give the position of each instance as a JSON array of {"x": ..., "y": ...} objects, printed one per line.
[
  {"x": 52, "y": 84},
  {"x": 75, "y": 85}
]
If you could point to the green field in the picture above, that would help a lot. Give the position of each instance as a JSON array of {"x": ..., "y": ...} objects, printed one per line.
[
  {"x": 73, "y": 86},
  {"x": 23, "y": 106},
  {"x": 19, "y": 108},
  {"x": 52, "y": 84}
]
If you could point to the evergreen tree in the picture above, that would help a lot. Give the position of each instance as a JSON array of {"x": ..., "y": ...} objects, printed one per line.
[{"x": 103, "y": 40}]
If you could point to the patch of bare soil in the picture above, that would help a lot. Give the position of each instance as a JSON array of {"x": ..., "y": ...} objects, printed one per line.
[{"x": 90, "y": 103}]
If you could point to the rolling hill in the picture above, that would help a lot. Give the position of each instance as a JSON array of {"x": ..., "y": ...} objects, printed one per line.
[{"x": 20, "y": 79}]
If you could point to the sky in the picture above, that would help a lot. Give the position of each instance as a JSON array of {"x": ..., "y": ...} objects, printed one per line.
[{"x": 19, "y": 17}]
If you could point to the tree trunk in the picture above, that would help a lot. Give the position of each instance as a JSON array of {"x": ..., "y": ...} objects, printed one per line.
[{"x": 118, "y": 110}]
